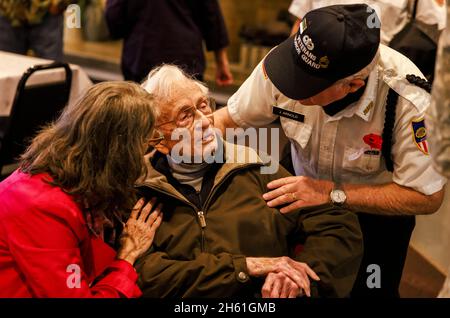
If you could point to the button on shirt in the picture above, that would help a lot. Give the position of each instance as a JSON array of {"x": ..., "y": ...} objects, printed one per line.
[{"x": 337, "y": 148}]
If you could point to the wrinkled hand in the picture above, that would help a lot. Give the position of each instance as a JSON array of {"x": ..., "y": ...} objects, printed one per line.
[
  {"x": 223, "y": 74},
  {"x": 279, "y": 285},
  {"x": 299, "y": 191},
  {"x": 139, "y": 231},
  {"x": 297, "y": 272}
]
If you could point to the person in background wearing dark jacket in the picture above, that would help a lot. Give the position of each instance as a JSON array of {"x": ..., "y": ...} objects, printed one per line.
[
  {"x": 78, "y": 175},
  {"x": 169, "y": 31},
  {"x": 218, "y": 237}
]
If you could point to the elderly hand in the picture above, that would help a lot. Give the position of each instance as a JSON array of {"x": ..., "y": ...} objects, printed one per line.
[
  {"x": 299, "y": 191},
  {"x": 139, "y": 231},
  {"x": 297, "y": 272}
]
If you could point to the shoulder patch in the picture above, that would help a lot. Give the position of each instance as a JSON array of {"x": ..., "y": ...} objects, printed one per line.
[{"x": 420, "y": 134}]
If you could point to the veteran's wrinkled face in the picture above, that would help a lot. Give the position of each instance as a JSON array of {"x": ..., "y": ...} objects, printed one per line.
[{"x": 186, "y": 123}]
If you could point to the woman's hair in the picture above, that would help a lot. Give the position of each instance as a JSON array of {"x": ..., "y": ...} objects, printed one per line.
[{"x": 95, "y": 150}]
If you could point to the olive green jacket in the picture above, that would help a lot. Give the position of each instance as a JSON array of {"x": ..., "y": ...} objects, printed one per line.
[{"x": 202, "y": 253}]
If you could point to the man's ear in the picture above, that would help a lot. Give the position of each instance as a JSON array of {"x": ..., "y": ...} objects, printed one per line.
[{"x": 355, "y": 85}]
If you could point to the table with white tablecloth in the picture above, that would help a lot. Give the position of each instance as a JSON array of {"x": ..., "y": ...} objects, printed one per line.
[{"x": 13, "y": 66}]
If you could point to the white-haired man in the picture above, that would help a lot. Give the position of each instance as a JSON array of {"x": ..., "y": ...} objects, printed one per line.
[
  {"x": 218, "y": 237},
  {"x": 357, "y": 133}
]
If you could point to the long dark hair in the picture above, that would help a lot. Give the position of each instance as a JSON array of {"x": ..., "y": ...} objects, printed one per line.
[{"x": 95, "y": 150}]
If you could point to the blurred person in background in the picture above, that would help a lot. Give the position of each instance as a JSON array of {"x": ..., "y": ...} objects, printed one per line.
[
  {"x": 411, "y": 27},
  {"x": 438, "y": 116},
  {"x": 393, "y": 14},
  {"x": 169, "y": 31},
  {"x": 36, "y": 25}
]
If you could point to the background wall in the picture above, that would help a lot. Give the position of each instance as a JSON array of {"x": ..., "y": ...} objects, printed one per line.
[{"x": 431, "y": 237}]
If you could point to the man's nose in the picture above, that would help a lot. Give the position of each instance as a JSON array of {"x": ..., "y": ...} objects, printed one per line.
[{"x": 203, "y": 119}]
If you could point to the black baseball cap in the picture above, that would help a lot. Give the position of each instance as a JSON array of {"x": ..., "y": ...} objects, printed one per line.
[{"x": 332, "y": 43}]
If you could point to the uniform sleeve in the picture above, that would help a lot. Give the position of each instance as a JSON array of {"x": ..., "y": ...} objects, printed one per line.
[
  {"x": 413, "y": 166},
  {"x": 300, "y": 7},
  {"x": 209, "y": 18},
  {"x": 333, "y": 245},
  {"x": 251, "y": 105},
  {"x": 206, "y": 276},
  {"x": 45, "y": 246}
]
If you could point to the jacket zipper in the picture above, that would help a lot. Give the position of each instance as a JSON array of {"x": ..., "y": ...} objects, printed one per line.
[
  {"x": 202, "y": 219},
  {"x": 200, "y": 214}
]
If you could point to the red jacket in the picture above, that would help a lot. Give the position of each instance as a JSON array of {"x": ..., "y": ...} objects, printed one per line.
[{"x": 45, "y": 245}]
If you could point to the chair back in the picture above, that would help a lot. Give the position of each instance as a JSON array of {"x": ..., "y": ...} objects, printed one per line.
[{"x": 34, "y": 106}]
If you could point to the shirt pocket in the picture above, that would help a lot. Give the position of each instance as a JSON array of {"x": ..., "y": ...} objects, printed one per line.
[
  {"x": 296, "y": 131},
  {"x": 361, "y": 160}
]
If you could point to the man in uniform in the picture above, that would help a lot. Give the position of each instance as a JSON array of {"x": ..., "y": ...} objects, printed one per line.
[{"x": 357, "y": 133}]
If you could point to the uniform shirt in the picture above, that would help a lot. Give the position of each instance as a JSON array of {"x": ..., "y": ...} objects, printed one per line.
[
  {"x": 336, "y": 148},
  {"x": 392, "y": 13}
]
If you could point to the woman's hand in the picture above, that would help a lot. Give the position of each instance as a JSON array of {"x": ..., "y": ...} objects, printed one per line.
[{"x": 139, "y": 231}]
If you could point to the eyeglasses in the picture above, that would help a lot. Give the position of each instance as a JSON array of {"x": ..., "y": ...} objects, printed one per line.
[{"x": 185, "y": 119}]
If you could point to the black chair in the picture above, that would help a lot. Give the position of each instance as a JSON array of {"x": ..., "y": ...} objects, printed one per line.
[{"x": 33, "y": 107}]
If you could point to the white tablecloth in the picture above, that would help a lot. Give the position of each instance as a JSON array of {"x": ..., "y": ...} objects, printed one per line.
[{"x": 12, "y": 67}]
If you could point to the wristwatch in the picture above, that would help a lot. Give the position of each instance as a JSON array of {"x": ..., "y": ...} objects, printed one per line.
[{"x": 337, "y": 195}]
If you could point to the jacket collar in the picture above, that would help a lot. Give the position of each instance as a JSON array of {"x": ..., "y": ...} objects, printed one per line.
[{"x": 365, "y": 105}]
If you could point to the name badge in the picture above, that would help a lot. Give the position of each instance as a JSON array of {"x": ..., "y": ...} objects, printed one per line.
[{"x": 288, "y": 114}]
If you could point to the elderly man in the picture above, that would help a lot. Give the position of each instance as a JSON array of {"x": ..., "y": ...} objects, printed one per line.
[{"x": 218, "y": 237}]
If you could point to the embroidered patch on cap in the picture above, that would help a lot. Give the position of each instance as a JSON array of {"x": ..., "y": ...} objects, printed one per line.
[
  {"x": 420, "y": 134},
  {"x": 303, "y": 26}
]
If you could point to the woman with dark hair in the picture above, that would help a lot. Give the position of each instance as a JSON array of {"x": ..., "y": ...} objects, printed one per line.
[{"x": 77, "y": 176}]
